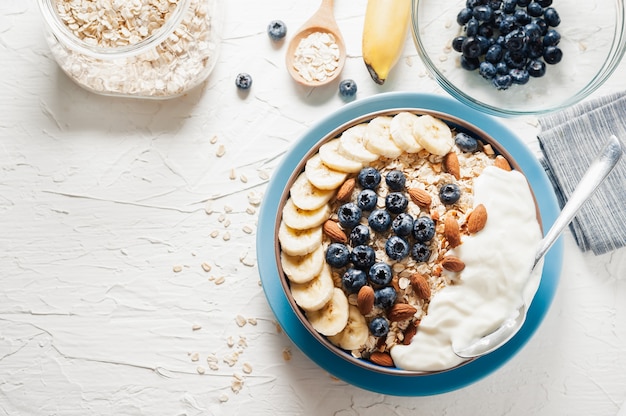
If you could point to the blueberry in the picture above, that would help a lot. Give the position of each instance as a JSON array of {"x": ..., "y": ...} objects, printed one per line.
[
  {"x": 486, "y": 30},
  {"x": 483, "y": 13},
  {"x": 450, "y": 193},
  {"x": 402, "y": 224},
  {"x": 484, "y": 43},
  {"x": 469, "y": 64},
  {"x": 532, "y": 30},
  {"x": 337, "y": 255},
  {"x": 395, "y": 180},
  {"x": 471, "y": 28},
  {"x": 515, "y": 40},
  {"x": 466, "y": 143},
  {"x": 385, "y": 298},
  {"x": 243, "y": 81},
  {"x": 353, "y": 280},
  {"x": 502, "y": 68},
  {"x": 515, "y": 59},
  {"x": 379, "y": 220},
  {"x": 366, "y": 200},
  {"x": 495, "y": 4},
  {"x": 507, "y": 24},
  {"x": 552, "y": 55},
  {"x": 534, "y": 48},
  {"x": 534, "y": 9},
  {"x": 420, "y": 252},
  {"x": 544, "y": 3},
  {"x": 519, "y": 76},
  {"x": 494, "y": 54},
  {"x": 423, "y": 229},
  {"x": 551, "y": 17},
  {"x": 349, "y": 214},
  {"x": 536, "y": 68},
  {"x": 522, "y": 17},
  {"x": 464, "y": 16},
  {"x": 551, "y": 38},
  {"x": 347, "y": 88},
  {"x": 487, "y": 70},
  {"x": 369, "y": 178},
  {"x": 543, "y": 26},
  {"x": 363, "y": 257},
  {"x": 509, "y": 6},
  {"x": 396, "y": 202},
  {"x": 457, "y": 43},
  {"x": 380, "y": 274},
  {"x": 277, "y": 29},
  {"x": 471, "y": 47},
  {"x": 502, "y": 82},
  {"x": 359, "y": 235},
  {"x": 379, "y": 326},
  {"x": 523, "y": 3},
  {"x": 396, "y": 248}
]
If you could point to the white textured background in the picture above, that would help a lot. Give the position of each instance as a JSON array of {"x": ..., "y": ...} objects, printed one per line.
[{"x": 102, "y": 199}]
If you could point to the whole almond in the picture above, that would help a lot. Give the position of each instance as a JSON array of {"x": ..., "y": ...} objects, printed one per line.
[
  {"x": 410, "y": 332},
  {"x": 345, "y": 190},
  {"x": 477, "y": 219},
  {"x": 332, "y": 230},
  {"x": 452, "y": 263},
  {"x": 365, "y": 300},
  {"x": 452, "y": 231},
  {"x": 400, "y": 312},
  {"x": 420, "y": 286},
  {"x": 451, "y": 165},
  {"x": 420, "y": 197},
  {"x": 382, "y": 358},
  {"x": 502, "y": 163}
]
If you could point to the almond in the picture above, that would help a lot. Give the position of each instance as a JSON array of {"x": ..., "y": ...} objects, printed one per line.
[
  {"x": 365, "y": 300},
  {"x": 451, "y": 231},
  {"x": 420, "y": 286},
  {"x": 382, "y": 358},
  {"x": 502, "y": 163},
  {"x": 420, "y": 197},
  {"x": 345, "y": 190},
  {"x": 452, "y": 263},
  {"x": 451, "y": 165},
  {"x": 477, "y": 219},
  {"x": 336, "y": 234},
  {"x": 400, "y": 312},
  {"x": 410, "y": 332}
]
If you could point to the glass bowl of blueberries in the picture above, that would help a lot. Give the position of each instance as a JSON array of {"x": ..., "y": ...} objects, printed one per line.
[{"x": 519, "y": 57}]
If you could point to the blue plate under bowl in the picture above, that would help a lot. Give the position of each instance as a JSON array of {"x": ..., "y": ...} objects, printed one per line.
[{"x": 403, "y": 383}]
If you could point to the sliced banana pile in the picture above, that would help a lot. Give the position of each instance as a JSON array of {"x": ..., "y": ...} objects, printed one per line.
[{"x": 308, "y": 207}]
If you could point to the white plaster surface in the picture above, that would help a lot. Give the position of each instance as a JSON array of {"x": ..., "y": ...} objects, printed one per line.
[{"x": 103, "y": 199}]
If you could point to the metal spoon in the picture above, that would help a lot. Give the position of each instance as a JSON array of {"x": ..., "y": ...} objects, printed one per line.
[
  {"x": 595, "y": 175},
  {"x": 322, "y": 21}
]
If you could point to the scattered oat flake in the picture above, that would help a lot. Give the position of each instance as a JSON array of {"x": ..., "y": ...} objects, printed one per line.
[
  {"x": 220, "y": 280},
  {"x": 195, "y": 356},
  {"x": 214, "y": 234},
  {"x": 254, "y": 198},
  {"x": 263, "y": 175},
  {"x": 228, "y": 209},
  {"x": 206, "y": 267},
  {"x": 231, "y": 359},
  {"x": 200, "y": 370},
  {"x": 279, "y": 329},
  {"x": 248, "y": 262},
  {"x": 196, "y": 327},
  {"x": 221, "y": 151},
  {"x": 177, "y": 269},
  {"x": 236, "y": 385},
  {"x": 223, "y": 398},
  {"x": 250, "y": 211},
  {"x": 233, "y": 175},
  {"x": 287, "y": 354},
  {"x": 226, "y": 236},
  {"x": 243, "y": 342},
  {"x": 241, "y": 321},
  {"x": 247, "y": 229},
  {"x": 247, "y": 368},
  {"x": 226, "y": 223},
  {"x": 252, "y": 321},
  {"x": 230, "y": 341},
  {"x": 221, "y": 218}
]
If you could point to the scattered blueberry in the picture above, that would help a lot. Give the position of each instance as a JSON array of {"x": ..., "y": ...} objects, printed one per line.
[
  {"x": 366, "y": 200},
  {"x": 544, "y": 3},
  {"x": 277, "y": 29},
  {"x": 385, "y": 297},
  {"x": 360, "y": 235},
  {"x": 349, "y": 214},
  {"x": 243, "y": 81},
  {"x": 380, "y": 274},
  {"x": 502, "y": 68},
  {"x": 337, "y": 255},
  {"x": 457, "y": 43},
  {"x": 449, "y": 193},
  {"x": 379, "y": 326},
  {"x": 347, "y": 89},
  {"x": 465, "y": 142},
  {"x": 483, "y": 12},
  {"x": 379, "y": 220},
  {"x": 423, "y": 229},
  {"x": 363, "y": 257},
  {"x": 551, "y": 17},
  {"x": 353, "y": 280},
  {"x": 396, "y": 202},
  {"x": 509, "y": 6},
  {"x": 369, "y": 178},
  {"x": 395, "y": 180},
  {"x": 471, "y": 47},
  {"x": 487, "y": 70},
  {"x": 396, "y": 248},
  {"x": 471, "y": 28},
  {"x": 420, "y": 252},
  {"x": 464, "y": 16},
  {"x": 503, "y": 82},
  {"x": 521, "y": 16},
  {"x": 534, "y": 9},
  {"x": 494, "y": 54},
  {"x": 552, "y": 55},
  {"x": 402, "y": 225},
  {"x": 523, "y": 3},
  {"x": 519, "y": 76},
  {"x": 536, "y": 68},
  {"x": 469, "y": 64},
  {"x": 551, "y": 38},
  {"x": 532, "y": 30}
]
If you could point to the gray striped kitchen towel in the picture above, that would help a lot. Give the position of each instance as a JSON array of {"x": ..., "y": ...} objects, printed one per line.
[{"x": 570, "y": 139}]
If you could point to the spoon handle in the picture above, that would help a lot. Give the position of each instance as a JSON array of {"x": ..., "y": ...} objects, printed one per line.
[{"x": 597, "y": 172}]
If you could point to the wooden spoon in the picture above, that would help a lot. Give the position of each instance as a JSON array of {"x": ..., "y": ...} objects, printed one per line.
[{"x": 322, "y": 21}]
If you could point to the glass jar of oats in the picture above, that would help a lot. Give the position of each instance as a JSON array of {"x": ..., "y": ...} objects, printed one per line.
[{"x": 134, "y": 48}]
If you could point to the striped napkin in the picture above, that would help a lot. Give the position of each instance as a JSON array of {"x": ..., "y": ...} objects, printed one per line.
[{"x": 570, "y": 140}]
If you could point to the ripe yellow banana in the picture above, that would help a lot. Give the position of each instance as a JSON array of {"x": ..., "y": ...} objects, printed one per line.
[{"x": 384, "y": 32}]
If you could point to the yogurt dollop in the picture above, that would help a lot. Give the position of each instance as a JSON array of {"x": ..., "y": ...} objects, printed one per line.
[{"x": 490, "y": 288}]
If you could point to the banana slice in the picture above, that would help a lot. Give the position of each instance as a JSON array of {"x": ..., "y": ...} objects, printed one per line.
[
  {"x": 351, "y": 144},
  {"x": 306, "y": 196},
  {"x": 329, "y": 153},
  {"x": 333, "y": 317},
  {"x": 301, "y": 219},
  {"x": 401, "y": 129},
  {"x": 314, "y": 294},
  {"x": 378, "y": 138},
  {"x": 355, "y": 334},
  {"x": 302, "y": 269},
  {"x": 433, "y": 134},
  {"x": 321, "y": 176},
  {"x": 299, "y": 242}
]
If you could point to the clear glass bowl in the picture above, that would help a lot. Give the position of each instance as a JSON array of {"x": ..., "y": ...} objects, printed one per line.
[
  {"x": 593, "y": 41},
  {"x": 134, "y": 50}
]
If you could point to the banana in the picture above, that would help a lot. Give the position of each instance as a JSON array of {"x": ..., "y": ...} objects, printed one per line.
[
  {"x": 378, "y": 138},
  {"x": 301, "y": 219},
  {"x": 302, "y": 269},
  {"x": 321, "y": 176},
  {"x": 401, "y": 130},
  {"x": 299, "y": 242},
  {"x": 329, "y": 153},
  {"x": 333, "y": 317},
  {"x": 314, "y": 294},
  {"x": 351, "y": 144},
  {"x": 355, "y": 334},
  {"x": 433, "y": 134},
  {"x": 306, "y": 196},
  {"x": 384, "y": 34}
]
